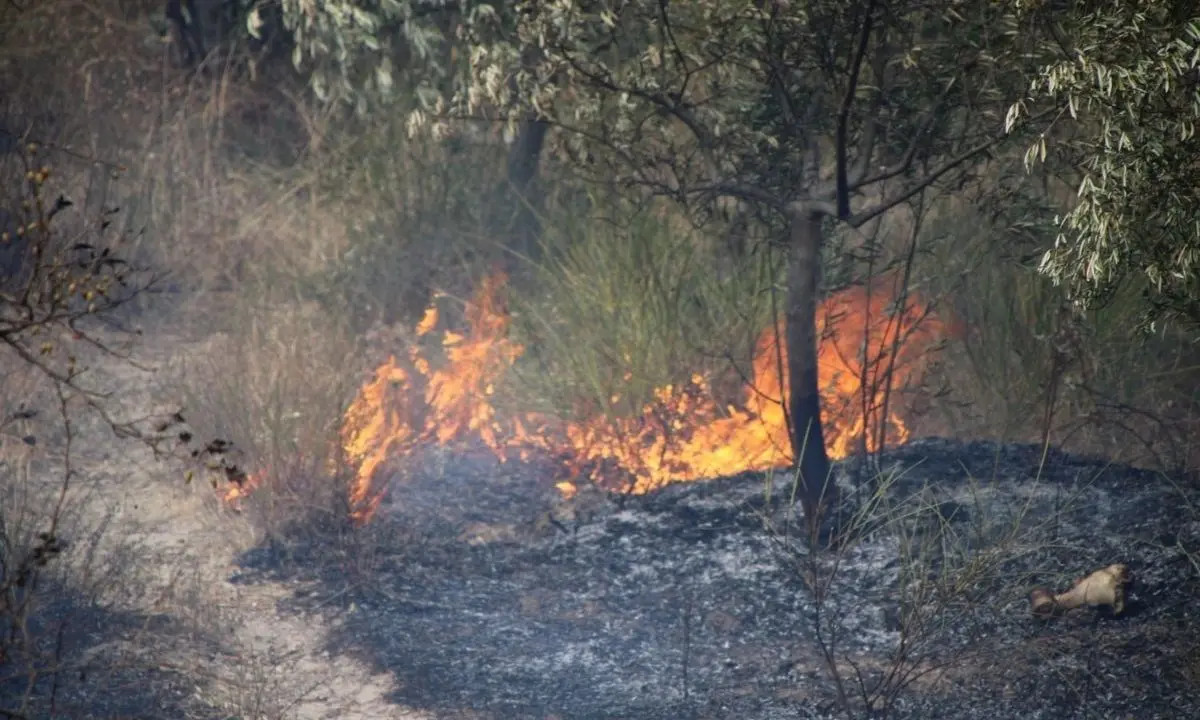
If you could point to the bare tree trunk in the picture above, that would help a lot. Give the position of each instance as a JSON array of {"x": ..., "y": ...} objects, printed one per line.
[
  {"x": 524, "y": 158},
  {"x": 188, "y": 30},
  {"x": 816, "y": 492}
]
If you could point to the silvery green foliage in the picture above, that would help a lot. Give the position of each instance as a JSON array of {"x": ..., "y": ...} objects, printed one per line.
[
  {"x": 1127, "y": 77},
  {"x": 356, "y": 50},
  {"x": 677, "y": 96},
  {"x": 689, "y": 97},
  {"x": 663, "y": 84}
]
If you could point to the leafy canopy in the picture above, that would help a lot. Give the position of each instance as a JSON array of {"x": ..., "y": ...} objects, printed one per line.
[
  {"x": 744, "y": 97},
  {"x": 1126, "y": 77},
  {"x": 360, "y": 50}
]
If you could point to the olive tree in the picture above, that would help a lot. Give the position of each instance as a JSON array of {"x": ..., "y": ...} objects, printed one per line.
[
  {"x": 823, "y": 113},
  {"x": 1123, "y": 79}
]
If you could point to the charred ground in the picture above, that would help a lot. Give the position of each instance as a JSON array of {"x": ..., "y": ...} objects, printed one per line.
[{"x": 692, "y": 602}]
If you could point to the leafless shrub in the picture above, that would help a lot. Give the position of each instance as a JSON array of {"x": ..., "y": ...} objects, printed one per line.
[{"x": 62, "y": 308}]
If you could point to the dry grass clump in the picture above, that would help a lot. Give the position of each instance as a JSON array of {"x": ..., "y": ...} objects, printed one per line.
[
  {"x": 625, "y": 301},
  {"x": 276, "y": 385}
]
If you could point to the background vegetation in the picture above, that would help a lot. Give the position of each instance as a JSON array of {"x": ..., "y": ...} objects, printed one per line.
[{"x": 306, "y": 185}]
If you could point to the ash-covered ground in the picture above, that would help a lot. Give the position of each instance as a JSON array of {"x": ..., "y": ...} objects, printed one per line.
[{"x": 481, "y": 592}]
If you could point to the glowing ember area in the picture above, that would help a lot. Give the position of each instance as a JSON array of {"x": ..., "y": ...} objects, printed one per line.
[
  {"x": 239, "y": 485},
  {"x": 234, "y": 493},
  {"x": 683, "y": 434}
]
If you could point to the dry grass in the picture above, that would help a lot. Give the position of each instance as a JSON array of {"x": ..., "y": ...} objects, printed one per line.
[
  {"x": 625, "y": 301},
  {"x": 276, "y": 384}
]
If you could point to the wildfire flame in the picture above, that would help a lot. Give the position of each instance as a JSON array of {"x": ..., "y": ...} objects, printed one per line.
[
  {"x": 235, "y": 493},
  {"x": 682, "y": 434}
]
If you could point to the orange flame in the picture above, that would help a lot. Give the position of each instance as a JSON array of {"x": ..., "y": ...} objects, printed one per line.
[
  {"x": 235, "y": 492},
  {"x": 682, "y": 434}
]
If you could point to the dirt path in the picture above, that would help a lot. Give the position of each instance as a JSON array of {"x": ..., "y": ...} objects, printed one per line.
[{"x": 266, "y": 663}]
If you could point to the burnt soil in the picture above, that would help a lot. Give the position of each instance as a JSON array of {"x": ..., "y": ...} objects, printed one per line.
[{"x": 479, "y": 590}]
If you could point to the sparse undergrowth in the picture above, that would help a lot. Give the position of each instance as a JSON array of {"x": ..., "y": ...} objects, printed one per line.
[
  {"x": 277, "y": 384},
  {"x": 959, "y": 557},
  {"x": 65, "y": 284}
]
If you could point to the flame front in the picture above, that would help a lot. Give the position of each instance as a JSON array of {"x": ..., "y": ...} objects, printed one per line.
[
  {"x": 682, "y": 434},
  {"x": 398, "y": 410}
]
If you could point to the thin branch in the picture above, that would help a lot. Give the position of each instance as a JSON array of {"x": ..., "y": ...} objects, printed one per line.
[
  {"x": 933, "y": 176},
  {"x": 668, "y": 33},
  {"x": 669, "y": 106},
  {"x": 741, "y": 192},
  {"x": 910, "y": 152},
  {"x": 93, "y": 399},
  {"x": 843, "y": 185},
  {"x": 866, "y": 149}
]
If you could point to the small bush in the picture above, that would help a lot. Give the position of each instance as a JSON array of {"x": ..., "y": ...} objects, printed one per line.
[
  {"x": 276, "y": 385},
  {"x": 415, "y": 218}
]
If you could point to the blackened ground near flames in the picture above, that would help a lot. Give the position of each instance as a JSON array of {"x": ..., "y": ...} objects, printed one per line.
[{"x": 486, "y": 594}]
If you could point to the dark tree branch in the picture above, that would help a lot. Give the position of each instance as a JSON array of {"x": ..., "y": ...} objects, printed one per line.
[
  {"x": 860, "y": 219},
  {"x": 668, "y": 35},
  {"x": 741, "y": 192},
  {"x": 910, "y": 152},
  {"x": 866, "y": 150},
  {"x": 667, "y": 105},
  {"x": 842, "y": 191}
]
